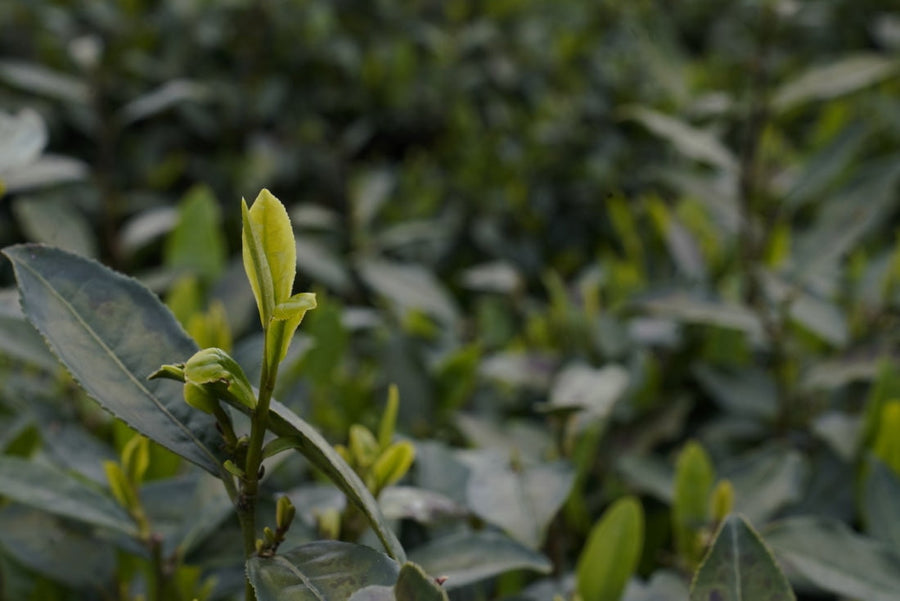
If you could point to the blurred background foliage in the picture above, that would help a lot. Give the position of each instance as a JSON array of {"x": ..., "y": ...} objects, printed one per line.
[{"x": 570, "y": 231}]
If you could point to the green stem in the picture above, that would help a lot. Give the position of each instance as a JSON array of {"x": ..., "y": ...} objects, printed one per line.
[{"x": 247, "y": 498}]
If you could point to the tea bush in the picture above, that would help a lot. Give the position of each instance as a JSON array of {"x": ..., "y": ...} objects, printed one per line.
[{"x": 604, "y": 300}]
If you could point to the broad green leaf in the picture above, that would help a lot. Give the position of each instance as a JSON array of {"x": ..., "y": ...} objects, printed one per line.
[
  {"x": 58, "y": 550},
  {"x": 828, "y": 554},
  {"x": 521, "y": 499},
  {"x": 196, "y": 244},
  {"x": 301, "y": 436},
  {"x": 55, "y": 221},
  {"x": 111, "y": 333},
  {"x": 468, "y": 557},
  {"x": 52, "y": 490},
  {"x": 612, "y": 551},
  {"x": 414, "y": 584},
  {"x": 840, "y": 77},
  {"x": 694, "y": 478},
  {"x": 739, "y": 567},
  {"x": 270, "y": 255},
  {"x": 881, "y": 505},
  {"x": 320, "y": 571}
]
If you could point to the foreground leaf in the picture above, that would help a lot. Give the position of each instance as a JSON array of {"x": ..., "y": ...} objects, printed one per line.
[
  {"x": 831, "y": 556},
  {"x": 612, "y": 552},
  {"x": 111, "y": 332},
  {"x": 414, "y": 584},
  {"x": 469, "y": 557},
  {"x": 320, "y": 571},
  {"x": 55, "y": 491},
  {"x": 739, "y": 567}
]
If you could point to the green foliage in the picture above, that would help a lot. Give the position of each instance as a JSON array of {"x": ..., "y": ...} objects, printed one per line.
[
  {"x": 596, "y": 249},
  {"x": 612, "y": 551}
]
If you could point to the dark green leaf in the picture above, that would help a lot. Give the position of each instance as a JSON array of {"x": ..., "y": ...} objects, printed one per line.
[
  {"x": 54, "y": 548},
  {"x": 55, "y": 491},
  {"x": 828, "y": 554},
  {"x": 414, "y": 584},
  {"x": 739, "y": 567},
  {"x": 112, "y": 332},
  {"x": 468, "y": 557},
  {"x": 320, "y": 571}
]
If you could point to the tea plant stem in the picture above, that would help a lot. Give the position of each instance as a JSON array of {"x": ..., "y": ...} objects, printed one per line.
[{"x": 246, "y": 506}]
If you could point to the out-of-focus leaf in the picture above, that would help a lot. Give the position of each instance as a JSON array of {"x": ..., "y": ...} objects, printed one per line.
[
  {"x": 649, "y": 475},
  {"x": 146, "y": 226},
  {"x": 409, "y": 287},
  {"x": 880, "y": 507},
  {"x": 825, "y": 166},
  {"x": 45, "y": 171},
  {"x": 844, "y": 76},
  {"x": 320, "y": 571},
  {"x": 56, "y": 222},
  {"x": 40, "y": 80},
  {"x": 766, "y": 480},
  {"x": 594, "y": 392},
  {"x": 169, "y": 94},
  {"x": 54, "y": 491},
  {"x": 750, "y": 392},
  {"x": 533, "y": 371},
  {"x": 497, "y": 276},
  {"x": 739, "y": 567},
  {"x": 521, "y": 499},
  {"x": 840, "y": 430},
  {"x": 828, "y": 554},
  {"x": 196, "y": 244},
  {"x": 694, "y": 478},
  {"x": 680, "y": 307},
  {"x": 612, "y": 551},
  {"x": 693, "y": 143},
  {"x": 22, "y": 138},
  {"x": 664, "y": 585},
  {"x": 425, "y": 506},
  {"x": 468, "y": 557},
  {"x": 19, "y": 340},
  {"x": 319, "y": 263},
  {"x": 54, "y": 548},
  {"x": 111, "y": 333}
]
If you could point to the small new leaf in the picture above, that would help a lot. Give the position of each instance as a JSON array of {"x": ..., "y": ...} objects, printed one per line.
[
  {"x": 393, "y": 464},
  {"x": 214, "y": 368},
  {"x": 269, "y": 252}
]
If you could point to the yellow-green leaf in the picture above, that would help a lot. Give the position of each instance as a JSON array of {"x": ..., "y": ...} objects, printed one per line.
[
  {"x": 389, "y": 417},
  {"x": 198, "y": 397},
  {"x": 363, "y": 445},
  {"x": 887, "y": 443},
  {"x": 694, "y": 478},
  {"x": 287, "y": 317},
  {"x": 393, "y": 464},
  {"x": 222, "y": 375},
  {"x": 119, "y": 485},
  {"x": 136, "y": 458},
  {"x": 612, "y": 552},
  {"x": 269, "y": 252}
]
